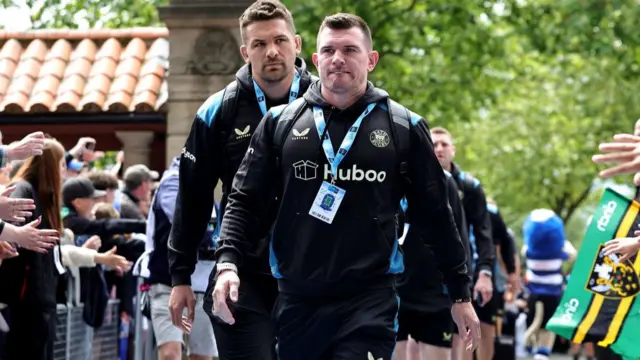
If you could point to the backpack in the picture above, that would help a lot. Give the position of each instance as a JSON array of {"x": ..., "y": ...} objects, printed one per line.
[
  {"x": 399, "y": 119},
  {"x": 229, "y": 100}
]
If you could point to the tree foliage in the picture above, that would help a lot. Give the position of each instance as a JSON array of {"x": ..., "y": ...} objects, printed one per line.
[
  {"x": 88, "y": 13},
  {"x": 528, "y": 87}
]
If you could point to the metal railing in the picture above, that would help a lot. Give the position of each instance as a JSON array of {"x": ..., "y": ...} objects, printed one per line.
[{"x": 75, "y": 340}]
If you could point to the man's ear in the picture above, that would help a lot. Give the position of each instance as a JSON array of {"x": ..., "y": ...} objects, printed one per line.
[
  {"x": 373, "y": 60},
  {"x": 244, "y": 53},
  {"x": 298, "y": 40}
]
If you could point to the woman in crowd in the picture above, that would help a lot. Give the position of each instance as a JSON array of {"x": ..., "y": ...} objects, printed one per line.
[{"x": 29, "y": 280}]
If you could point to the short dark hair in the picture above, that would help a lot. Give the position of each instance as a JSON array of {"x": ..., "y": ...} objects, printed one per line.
[
  {"x": 265, "y": 10},
  {"x": 344, "y": 21},
  {"x": 103, "y": 180}
]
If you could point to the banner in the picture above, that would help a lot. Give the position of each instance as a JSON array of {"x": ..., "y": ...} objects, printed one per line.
[{"x": 599, "y": 303}]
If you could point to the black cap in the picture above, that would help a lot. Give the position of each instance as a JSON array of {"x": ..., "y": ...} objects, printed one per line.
[{"x": 79, "y": 188}]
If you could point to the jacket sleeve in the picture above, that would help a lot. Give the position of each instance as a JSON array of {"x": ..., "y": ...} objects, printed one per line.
[
  {"x": 105, "y": 227},
  {"x": 200, "y": 170},
  {"x": 501, "y": 237},
  {"x": 75, "y": 256},
  {"x": 251, "y": 194},
  {"x": 430, "y": 213},
  {"x": 130, "y": 249},
  {"x": 480, "y": 221}
]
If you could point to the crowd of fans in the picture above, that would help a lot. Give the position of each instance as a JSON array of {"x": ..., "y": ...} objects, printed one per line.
[{"x": 62, "y": 217}]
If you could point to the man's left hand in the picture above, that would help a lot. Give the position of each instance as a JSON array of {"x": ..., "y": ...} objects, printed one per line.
[
  {"x": 484, "y": 287},
  {"x": 468, "y": 324},
  {"x": 30, "y": 145}
]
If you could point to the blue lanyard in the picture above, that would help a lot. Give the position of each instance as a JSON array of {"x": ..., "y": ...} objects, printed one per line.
[
  {"x": 293, "y": 93},
  {"x": 333, "y": 159},
  {"x": 404, "y": 204}
]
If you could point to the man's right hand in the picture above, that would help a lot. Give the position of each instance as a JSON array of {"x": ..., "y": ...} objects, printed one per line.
[
  {"x": 182, "y": 296},
  {"x": 227, "y": 286}
]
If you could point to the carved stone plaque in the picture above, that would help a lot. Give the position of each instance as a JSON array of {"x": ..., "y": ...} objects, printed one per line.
[{"x": 215, "y": 52}]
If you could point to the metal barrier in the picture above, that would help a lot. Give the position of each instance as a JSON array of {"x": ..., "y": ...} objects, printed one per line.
[{"x": 75, "y": 340}]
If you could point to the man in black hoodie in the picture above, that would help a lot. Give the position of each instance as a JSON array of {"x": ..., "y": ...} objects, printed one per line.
[
  {"x": 334, "y": 247},
  {"x": 474, "y": 203},
  {"x": 424, "y": 304},
  {"x": 213, "y": 151}
]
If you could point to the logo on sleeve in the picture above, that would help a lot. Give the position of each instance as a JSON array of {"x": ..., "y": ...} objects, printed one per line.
[
  {"x": 188, "y": 155},
  {"x": 244, "y": 133}
]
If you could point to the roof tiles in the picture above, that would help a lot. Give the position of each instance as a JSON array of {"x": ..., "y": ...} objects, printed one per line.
[{"x": 121, "y": 70}]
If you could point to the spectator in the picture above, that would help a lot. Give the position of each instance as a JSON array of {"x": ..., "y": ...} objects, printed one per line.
[
  {"x": 107, "y": 182},
  {"x": 79, "y": 198},
  {"x": 201, "y": 342},
  {"x": 138, "y": 183},
  {"x": 29, "y": 280}
]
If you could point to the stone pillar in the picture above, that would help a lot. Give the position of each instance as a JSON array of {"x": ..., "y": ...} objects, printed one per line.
[
  {"x": 204, "y": 41},
  {"x": 136, "y": 146}
]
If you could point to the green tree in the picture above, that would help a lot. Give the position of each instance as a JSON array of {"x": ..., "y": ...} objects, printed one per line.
[
  {"x": 533, "y": 149},
  {"x": 433, "y": 55},
  {"x": 571, "y": 69},
  {"x": 528, "y": 87},
  {"x": 89, "y": 13}
]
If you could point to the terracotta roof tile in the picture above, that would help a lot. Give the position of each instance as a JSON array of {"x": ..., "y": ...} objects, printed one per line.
[{"x": 119, "y": 70}]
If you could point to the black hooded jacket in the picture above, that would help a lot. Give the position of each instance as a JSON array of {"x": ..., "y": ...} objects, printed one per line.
[
  {"x": 420, "y": 286},
  {"x": 359, "y": 250},
  {"x": 213, "y": 151}
]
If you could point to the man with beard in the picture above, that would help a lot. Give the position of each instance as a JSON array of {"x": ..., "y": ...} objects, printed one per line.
[
  {"x": 334, "y": 246},
  {"x": 218, "y": 140}
]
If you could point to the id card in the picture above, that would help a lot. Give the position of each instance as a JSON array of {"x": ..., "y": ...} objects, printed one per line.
[{"x": 326, "y": 204}]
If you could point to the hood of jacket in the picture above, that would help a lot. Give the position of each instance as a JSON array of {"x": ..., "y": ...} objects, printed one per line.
[{"x": 313, "y": 96}]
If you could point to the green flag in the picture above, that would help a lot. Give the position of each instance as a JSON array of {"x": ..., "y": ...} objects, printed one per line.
[{"x": 599, "y": 304}]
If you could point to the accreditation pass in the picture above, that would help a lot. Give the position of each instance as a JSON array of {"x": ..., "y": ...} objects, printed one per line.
[{"x": 327, "y": 201}]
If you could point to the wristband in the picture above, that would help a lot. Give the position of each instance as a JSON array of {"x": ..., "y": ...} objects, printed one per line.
[{"x": 225, "y": 266}]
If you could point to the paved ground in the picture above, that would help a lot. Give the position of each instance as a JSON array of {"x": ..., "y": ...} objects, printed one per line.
[{"x": 553, "y": 357}]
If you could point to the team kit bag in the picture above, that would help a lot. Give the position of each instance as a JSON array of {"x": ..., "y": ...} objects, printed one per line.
[{"x": 599, "y": 303}]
